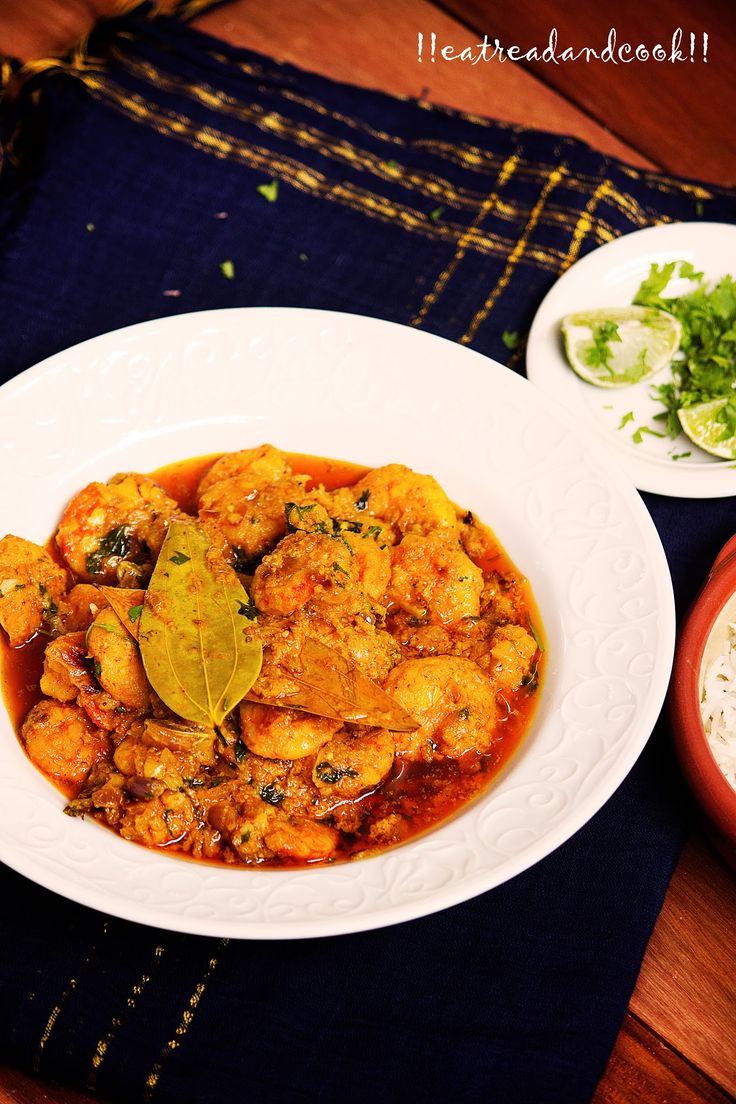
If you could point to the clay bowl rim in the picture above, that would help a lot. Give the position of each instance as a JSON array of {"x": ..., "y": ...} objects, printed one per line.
[{"x": 712, "y": 789}]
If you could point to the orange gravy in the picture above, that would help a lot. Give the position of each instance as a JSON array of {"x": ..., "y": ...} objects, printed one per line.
[{"x": 423, "y": 794}]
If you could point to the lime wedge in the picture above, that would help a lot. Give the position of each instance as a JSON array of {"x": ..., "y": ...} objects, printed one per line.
[
  {"x": 618, "y": 346},
  {"x": 701, "y": 425}
]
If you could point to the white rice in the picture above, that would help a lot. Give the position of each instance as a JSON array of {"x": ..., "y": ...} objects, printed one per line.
[{"x": 718, "y": 707}]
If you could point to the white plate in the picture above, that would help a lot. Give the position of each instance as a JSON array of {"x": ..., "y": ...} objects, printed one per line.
[
  {"x": 373, "y": 392},
  {"x": 608, "y": 277}
]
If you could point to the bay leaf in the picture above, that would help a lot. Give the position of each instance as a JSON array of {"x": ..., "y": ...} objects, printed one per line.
[
  {"x": 191, "y": 629},
  {"x": 330, "y": 685},
  {"x": 127, "y": 604}
]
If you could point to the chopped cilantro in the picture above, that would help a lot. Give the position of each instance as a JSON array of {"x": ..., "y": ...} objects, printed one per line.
[
  {"x": 227, "y": 268},
  {"x": 464, "y": 713},
  {"x": 134, "y": 612},
  {"x": 706, "y": 369},
  {"x": 292, "y": 510},
  {"x": 667, "y": 394},
  {"x": 530, "y": 681},
  {"x": 245, "y": 836},
  {"x": 242, "y": 563},
  {"x": 437, "y": 214},
  {"x": 373, "y": 531},
  {"x": 179, "y": 558},
  {"x": 49, "y": 606},
  {"x": 599, "y": 352},
  {"x": 248, "y": 610},
  {"x": 343, "y": 540},
  {"x": 240, "y": 750},
  {"x": 330, "y": 775},
  {"x": 680, "y": 455},
  {"x": 271, "y": 794},
  {"x": 628, "y": 417},
  {"x": 269, "y": 191},
  {"x": 336, "y": 567},
  {"x": 97, "y": 668},
  {"x": 510, "y": 339},
  {"x": 638, "y": 435},
  {"x": 104, "y": 628},
  {"x": 115, "y": 544},
  {"x": 687, "y": 271},
  {"x": 362, "y": 500},
  {"x": 340, "y": 524},
  {"x": 726, "y": 417},
  {"x": 652, "y": 287}
]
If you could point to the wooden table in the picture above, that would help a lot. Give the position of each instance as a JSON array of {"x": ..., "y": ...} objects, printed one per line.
[{"x": 678, "y": 1041}]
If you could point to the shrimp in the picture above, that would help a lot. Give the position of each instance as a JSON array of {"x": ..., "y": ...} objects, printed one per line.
[
  {"x": 304, "y": 568},
  {"x": 418, "y": 638},
  {"x": 452, "y": 699},
  {"x": 410, "y": 502},
  {"x": 476, "y": 538},
  {"x": 351, "y": 763},
  {"x": 117, "y": 661},
  {"x": 159, "y": 821},
  {"x": 281, "y": 784},
  {"x": 62, "y": 741},
  {"x": 373, "y": 650},
  {"x": 502, "y": 596},
  {"x": 31, "y": 586},
  {"x": 258, "y": 828},
  {"x": 67, "y": 676},
  {"x": 264, "y": 463},
  {"x": 276, "y": 733},
  {"x": 372, "y": 565},
  {"x": 164, "y": 768},
  {"x": 301, "y": 840},
  {"x": 107, "y": 525},
  {"x": 432, "y": 577},
  {"x": 509, "y": 661},
  {"x": 78, "y": 608},
  {"x": 248, "y": 512}
]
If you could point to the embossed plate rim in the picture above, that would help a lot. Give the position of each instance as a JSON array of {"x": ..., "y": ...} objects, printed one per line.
[{"x": 511, "y": 453}]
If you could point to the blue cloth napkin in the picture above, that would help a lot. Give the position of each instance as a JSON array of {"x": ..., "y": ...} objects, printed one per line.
[{"x": 166, "y": 172}]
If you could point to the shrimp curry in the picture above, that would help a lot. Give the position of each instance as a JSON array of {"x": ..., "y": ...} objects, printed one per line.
[{"x": 378, "y": 656}]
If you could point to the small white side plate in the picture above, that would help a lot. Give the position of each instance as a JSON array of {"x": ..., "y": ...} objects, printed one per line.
[{"x": 608, "y": 277}]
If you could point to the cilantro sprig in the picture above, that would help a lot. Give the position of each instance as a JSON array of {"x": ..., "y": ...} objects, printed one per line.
[
  {"x": 706, "y": 369},
  {"x": 600, "y": 352}
]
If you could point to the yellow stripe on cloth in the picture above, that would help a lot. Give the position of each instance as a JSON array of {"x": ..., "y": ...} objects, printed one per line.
[
  {"x": 117, "y": 1021},
  {"x": 301, "y": 176},
  {"x": 69, "y": 988},
  {"x": 553, "y": 179},
  {"x": 432, "y": 296},
  {"x": 185, "y": 1023}
]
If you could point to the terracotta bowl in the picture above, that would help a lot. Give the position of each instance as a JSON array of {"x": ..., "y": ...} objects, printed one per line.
[{"x": 703, "y": 637}]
